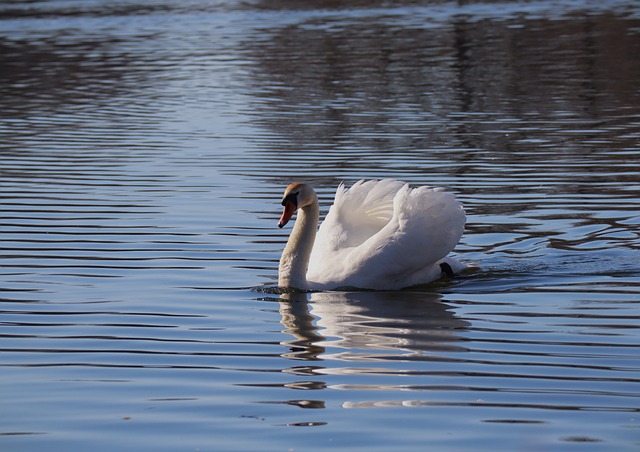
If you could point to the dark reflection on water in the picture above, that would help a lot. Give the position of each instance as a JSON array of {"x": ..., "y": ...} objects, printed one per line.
[
  {"x": 144, "y": 148},
  {"x": 395, "y": 82}
]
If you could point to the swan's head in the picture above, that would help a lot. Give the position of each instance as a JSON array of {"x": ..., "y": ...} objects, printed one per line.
[{"x": 296, "y": 196}]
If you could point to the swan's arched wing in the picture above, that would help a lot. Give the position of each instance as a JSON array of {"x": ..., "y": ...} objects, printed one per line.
[
  {"x": 357, "y": 214},
  {"x": 369, "y": 241},
  {"x": 426, "y": 226}
]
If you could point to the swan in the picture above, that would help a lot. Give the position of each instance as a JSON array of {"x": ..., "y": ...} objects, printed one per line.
[{"x": 378, "y": 234}]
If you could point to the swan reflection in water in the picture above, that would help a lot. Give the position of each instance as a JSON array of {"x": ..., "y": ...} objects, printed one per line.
[
  {"x": 328, "y": 329},
  {"x": 369, "y": 326}
]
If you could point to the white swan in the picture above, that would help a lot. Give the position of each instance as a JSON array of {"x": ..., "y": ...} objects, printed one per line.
[{"x": 377, "y": 235}]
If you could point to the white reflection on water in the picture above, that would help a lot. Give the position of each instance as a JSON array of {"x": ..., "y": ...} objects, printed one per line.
[{"x": 370, "y": 326}]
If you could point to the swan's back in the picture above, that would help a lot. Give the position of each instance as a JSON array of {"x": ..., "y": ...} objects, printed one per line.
[{"x": 384, "y": 235}]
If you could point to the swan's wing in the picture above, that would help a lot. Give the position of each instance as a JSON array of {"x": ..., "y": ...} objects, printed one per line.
[
  {"x": 425, "y": 225},
  {"x": 357, "y": 214}
]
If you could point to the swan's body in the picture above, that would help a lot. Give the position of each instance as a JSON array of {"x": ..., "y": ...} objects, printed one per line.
[{"x": 377, "y": 235}]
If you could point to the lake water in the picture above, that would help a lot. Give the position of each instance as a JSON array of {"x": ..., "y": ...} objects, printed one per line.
[{"x": 144, "y": 149}]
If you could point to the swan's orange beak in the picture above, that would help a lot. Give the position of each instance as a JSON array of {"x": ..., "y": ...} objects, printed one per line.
[{"x": 289, "y": 209}]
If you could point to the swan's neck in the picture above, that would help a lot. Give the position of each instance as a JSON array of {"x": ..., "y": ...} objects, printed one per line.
[{"x": 295, "y": 257}]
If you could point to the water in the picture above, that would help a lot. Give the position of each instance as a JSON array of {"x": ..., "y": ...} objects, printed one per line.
[{"x": 145, "y": 146}]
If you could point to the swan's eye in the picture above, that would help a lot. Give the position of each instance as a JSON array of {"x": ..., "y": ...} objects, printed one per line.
[{"x": 291, "y": 197}]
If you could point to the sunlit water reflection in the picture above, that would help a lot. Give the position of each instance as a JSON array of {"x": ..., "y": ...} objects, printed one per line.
[{"x": 145, "y": 146}]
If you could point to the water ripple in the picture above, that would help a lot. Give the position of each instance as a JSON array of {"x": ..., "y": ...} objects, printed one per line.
[{"x": 144, "y": 151}]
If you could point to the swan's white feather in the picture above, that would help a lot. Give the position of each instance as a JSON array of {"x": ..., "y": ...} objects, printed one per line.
[{"x": 385, "y": 235}]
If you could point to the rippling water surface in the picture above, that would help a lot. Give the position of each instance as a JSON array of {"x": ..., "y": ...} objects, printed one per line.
[{"x": 144, "y": 148}]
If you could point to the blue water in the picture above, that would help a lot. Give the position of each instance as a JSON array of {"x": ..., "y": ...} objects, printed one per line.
[{"x": 144, "y": 148}]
